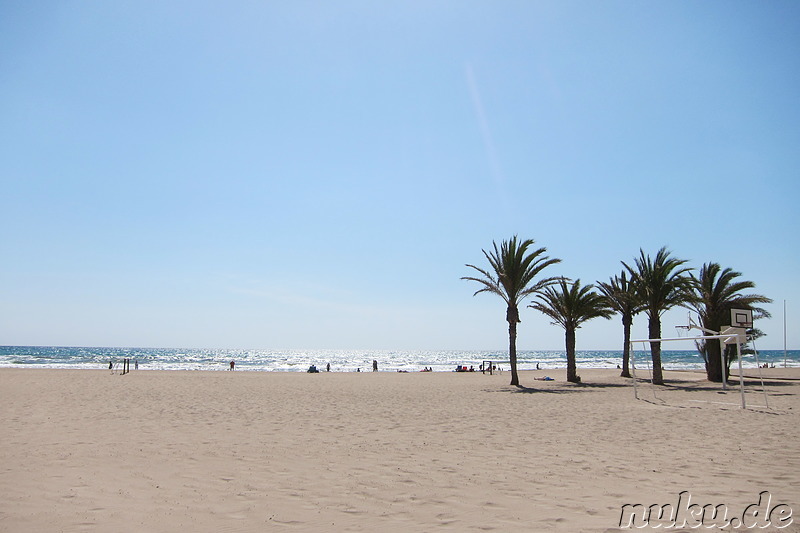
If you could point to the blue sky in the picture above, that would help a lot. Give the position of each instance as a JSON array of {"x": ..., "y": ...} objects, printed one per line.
[{"x": 316, "y": 174}]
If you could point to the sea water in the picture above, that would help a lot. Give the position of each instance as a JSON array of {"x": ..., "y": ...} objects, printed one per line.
[{"x": 348, "y": 360}]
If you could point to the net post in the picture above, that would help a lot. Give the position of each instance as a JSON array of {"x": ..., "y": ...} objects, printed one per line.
[{"x": 723, "y": 366}]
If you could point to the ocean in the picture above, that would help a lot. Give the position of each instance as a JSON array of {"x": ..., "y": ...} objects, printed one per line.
[{"x": 347, "y": 360}]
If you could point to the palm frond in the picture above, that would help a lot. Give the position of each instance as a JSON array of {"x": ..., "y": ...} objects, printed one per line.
[
  {"x": 513, "y": 270},
  {"x": 717, "y": 291},
  {"x": 662, "y": 282},
  {"x": 570, "y": 305}
]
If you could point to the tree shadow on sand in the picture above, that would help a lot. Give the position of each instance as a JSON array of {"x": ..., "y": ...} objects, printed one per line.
[
  {"x": 688, "y": 386},
  {"x": 562, "y": 387}
]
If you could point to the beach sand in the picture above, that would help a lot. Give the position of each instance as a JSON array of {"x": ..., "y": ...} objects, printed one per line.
[{"x": 84, "y": 450}]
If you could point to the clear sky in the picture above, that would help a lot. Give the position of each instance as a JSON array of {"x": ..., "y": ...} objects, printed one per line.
[{"x": 314, "y": 174}]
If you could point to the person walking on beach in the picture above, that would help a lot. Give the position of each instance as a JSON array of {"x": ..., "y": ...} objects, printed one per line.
[{"x": 374, "y": 365}]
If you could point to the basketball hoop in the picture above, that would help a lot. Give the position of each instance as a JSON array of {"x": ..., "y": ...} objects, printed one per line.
[{"x": 682, "y": 331}]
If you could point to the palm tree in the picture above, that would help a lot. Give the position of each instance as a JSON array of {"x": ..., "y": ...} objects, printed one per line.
[
  {"x": 717, "y": 292},
  {"x": 623, "y": 298},
  {"x": 570, "y": 306},
  {"x": 662, "y": 283},
  {"x": 513, "y": 277}
]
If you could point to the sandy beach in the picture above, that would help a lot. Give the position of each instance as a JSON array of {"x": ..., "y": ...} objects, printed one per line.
[{"x": 86, "y": 450}]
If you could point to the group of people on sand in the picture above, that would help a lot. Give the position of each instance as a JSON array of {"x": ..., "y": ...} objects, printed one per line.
[
  {"x": 460, "y": 368},
  {"x": 313, "y": 368}
]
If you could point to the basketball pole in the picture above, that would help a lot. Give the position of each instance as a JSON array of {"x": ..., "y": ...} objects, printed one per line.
[
  {"x": 633, "y": 370},
  {"x": 741, "y": 373}
]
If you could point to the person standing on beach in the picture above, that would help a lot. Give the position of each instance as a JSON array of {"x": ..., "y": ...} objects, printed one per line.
[
  {"x": 233, "y": 364},
  {"x": 374, "y": 365}
]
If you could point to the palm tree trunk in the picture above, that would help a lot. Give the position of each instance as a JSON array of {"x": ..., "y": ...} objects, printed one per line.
[
  {"x": 654, "y": 329},
  {"x": 626, "y": 349},
  {"x": 713, "y": 363},
  {"x": 730, "y": 356},
  {"x": 512, "y": 350},
  {"x": 512, "y": 316},
  {"x": 572, "y": 367}
]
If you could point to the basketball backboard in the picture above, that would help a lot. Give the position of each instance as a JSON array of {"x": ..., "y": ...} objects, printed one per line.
[{"x": 742, "y": 318}]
